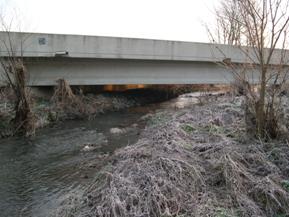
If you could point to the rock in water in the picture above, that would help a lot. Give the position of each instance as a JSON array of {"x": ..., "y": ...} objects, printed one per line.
[
  {"x": 116, "y": 131},
  {"x": 89, "y": 147}
]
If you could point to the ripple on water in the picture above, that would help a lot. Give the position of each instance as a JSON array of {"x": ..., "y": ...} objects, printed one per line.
[{"x": 36, "y": 173}]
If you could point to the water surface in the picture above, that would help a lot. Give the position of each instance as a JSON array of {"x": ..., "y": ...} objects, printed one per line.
[{"x": 35, "y": 173}]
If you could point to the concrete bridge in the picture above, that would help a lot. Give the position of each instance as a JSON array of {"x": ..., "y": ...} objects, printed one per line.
[{"x": 93, "y": 60}]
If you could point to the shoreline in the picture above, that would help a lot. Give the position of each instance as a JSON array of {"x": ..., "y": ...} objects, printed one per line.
[{"x": 88, "y": 106}]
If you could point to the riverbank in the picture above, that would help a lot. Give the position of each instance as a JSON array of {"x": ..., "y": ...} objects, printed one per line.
[
  {"x": 86, "y": 103},
  {"x": 196, "y": 161},
  {"x": 86, "y": 106}
]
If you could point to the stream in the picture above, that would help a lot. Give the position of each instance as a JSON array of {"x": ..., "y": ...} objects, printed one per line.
[{"x": 36, "y": 172}]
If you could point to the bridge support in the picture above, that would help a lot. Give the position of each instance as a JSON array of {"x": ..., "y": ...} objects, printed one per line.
[{"x": 121, "y": 71}]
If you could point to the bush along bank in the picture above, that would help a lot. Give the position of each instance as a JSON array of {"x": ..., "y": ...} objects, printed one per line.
[
  {"x": 199, "y": 161},
  {"x": 65, "y": 105},
  {"x": 48, "y": 112}
]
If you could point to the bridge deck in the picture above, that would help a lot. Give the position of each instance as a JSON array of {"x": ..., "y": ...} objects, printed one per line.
[
  {"x": 89, "y": 60},
  {"x": 81, "y": 46}
]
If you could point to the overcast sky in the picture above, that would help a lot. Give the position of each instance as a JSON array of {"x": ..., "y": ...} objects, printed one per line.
[{"x": 157, "y": 19}]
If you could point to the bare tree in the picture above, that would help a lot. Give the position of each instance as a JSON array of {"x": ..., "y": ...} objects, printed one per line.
[
  {"x": 15, "y": 76},
  {"x": 259, "y": 28},
  {"x": 228, "y": 29}
]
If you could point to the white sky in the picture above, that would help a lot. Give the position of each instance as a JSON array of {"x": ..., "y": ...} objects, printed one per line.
[{"x": 155, "y": 19}]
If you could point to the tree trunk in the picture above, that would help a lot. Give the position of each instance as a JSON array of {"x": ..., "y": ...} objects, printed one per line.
[
  {"x": 23, "y": 120},
  {"x": 260, "y": 106}
]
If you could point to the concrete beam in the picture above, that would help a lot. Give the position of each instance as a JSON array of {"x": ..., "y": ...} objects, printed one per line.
[{"x": 113, "y": 71}]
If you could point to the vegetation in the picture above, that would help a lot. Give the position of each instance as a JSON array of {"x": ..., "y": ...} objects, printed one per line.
[
  {"x": 15, "y": 75},
  {"x": 184, "y": 167},
  {"x": 259, "y": 28}
]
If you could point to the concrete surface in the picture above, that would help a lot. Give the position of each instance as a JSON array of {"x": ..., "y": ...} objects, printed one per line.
[
  {"x": 120, "y": 71},
  {"x": 91, "y": 60},
  {"x": 81, "y": 46}
]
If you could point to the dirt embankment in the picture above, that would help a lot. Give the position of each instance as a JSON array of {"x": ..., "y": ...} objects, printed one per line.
[{"x": 191, "y": 162}]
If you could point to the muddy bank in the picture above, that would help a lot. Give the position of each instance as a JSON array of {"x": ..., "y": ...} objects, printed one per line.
[{"x": 197, "y": 161}]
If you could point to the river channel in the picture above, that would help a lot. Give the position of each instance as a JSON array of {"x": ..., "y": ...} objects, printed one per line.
[{"x": 36, "y": 173}]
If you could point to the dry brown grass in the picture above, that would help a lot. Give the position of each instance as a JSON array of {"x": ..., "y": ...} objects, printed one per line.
[
  {"x": 190, "y": 165},
  {"x": 72, "y": 105},
  {"x": 63, "y": 93},
  {"x": 16, "y": 75}
]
